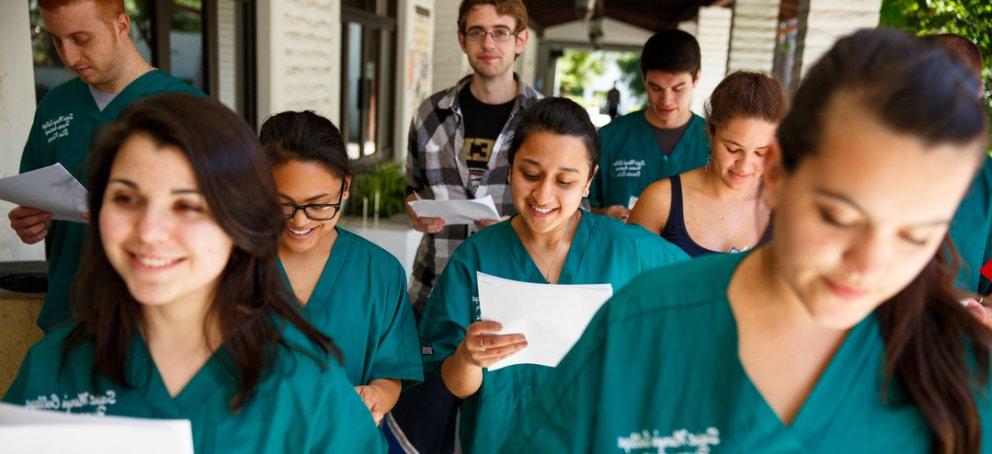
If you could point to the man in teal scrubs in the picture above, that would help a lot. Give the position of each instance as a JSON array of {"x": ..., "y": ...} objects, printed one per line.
[
  {"x": 662, "y": 140},
  {"x": 617, "y": 390},
  {"x": 93, "y": 38},
  {"x": 305, "y": 403},
  {"x": 603, "y": 251}
]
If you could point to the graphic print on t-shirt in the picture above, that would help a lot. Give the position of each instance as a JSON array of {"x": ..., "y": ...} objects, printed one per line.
[{"x": 477, "y": 152}]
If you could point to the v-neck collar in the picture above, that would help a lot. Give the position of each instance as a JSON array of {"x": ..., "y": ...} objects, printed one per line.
[
  {"x": 573, "y": 258},
  {"x": 328, "y": 274},
  {"x": 124, "y": 98},
  {"x": 692, "y": 130},
  {"x": 843, "y": 370},
  {"x": 144, "y": 375}
]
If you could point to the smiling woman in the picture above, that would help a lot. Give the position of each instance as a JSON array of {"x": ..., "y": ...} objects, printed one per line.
[{"x": 181, "y": 311}]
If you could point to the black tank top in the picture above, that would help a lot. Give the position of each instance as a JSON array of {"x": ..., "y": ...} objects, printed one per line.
[{"x": 675, "y": 231}]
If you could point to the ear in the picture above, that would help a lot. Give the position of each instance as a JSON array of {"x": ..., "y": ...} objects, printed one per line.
[
  {"x": 347, "y": 188},
  {"x": 461, "y": 42},
  {"x": 522, "y": 37},
  {"x": 773, "y": 176},
  {"x": 695, "y": 78},
  {"x": 595, "y": 169},
  {"x": 122, "y": 25}
]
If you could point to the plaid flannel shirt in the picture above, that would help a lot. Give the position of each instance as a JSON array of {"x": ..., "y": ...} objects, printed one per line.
[{"x": 436, "y": 169}]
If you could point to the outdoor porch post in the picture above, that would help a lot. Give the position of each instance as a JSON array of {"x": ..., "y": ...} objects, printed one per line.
[
  {"x": 752, "y": 35},
  {"x": 821, "y": 22}
]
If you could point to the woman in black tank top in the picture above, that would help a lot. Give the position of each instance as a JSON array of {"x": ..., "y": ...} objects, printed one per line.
[{"x": 718, "y": 208}]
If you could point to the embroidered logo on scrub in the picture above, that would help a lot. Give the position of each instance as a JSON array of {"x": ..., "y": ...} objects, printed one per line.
[
  {"x": 680, "y": 440},
  {"x": 630, "y": 168},
  {"x": 57, "y": 127},
  {"x": 83, "y": 402}
]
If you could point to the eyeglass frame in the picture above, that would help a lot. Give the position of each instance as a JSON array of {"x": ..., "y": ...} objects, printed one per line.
[
  {"x": 468, "y": 37},
  {"x": 336, "y": 206}
]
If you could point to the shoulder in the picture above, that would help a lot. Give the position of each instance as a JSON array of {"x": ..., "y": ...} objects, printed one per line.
[
  {"x": 163, "y": 82},
  {"x": 699, "y": 282},
  {"x": 482, "y": 241},
  {"x": 60, "y": 93},
  {"x": 659, "y": 191},
  {"x": 53, "y": 342},
  {"x": 365, "y": 250},
  {"x": 623, "y": 123}
]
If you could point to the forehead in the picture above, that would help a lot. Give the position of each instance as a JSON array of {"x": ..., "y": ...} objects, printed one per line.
[
  {"x": 551, "y": 150},
  {"x": 485, "y": 16},
  {"x": 305, "y": 175},
  {"x": 895, "y": 177},
  {"x": 76, "y": 17},
  {"x": 152, "y": 166},
  {"x": 747, "y": 131},
  {"x": 667, "y": 79}
]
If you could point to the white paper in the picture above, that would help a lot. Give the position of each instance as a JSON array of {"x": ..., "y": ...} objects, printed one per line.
[
  {"x": 25, "y": 431},
  {"x": 631, "y": 202},
  {"x": 457, "y": 211},
  {"x": 50, "y": 189},
  {"x": 551, "y": 317}
]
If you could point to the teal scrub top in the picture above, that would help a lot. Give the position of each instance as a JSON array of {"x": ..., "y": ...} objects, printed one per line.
[
  {"x": 65, "y": 125},
  {"x": 971, "y": 229},
  {"x": 604, "y": 250},
  {"x": 659, "y": 367},
  {"x": 361, "y": 302},
  {"x": 300, "y": 405},
  {"x": 630, "y": 160}
]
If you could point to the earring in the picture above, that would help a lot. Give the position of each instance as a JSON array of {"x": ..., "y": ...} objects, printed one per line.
[{"x": 707, "y": 163}]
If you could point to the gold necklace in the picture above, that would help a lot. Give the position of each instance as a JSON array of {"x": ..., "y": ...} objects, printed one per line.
[{"x": 561, "y": 241}]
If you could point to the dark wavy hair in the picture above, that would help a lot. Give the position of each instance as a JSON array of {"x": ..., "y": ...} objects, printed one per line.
[
  {"x": 250, "y": 303},
  {"x": 560, "y": 116},
  {"x": 915, "y": 88}
]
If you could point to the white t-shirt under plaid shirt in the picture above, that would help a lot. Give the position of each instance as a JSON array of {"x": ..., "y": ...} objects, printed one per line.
[{"x": 436, "y": 169}]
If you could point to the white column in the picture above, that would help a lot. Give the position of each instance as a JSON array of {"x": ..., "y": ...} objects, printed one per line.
[
  {"x": 17, "y": 105},
  {"x": 299, "y": 56},
  {"x": 822, "y": 22},
  {"x": 752, "y": 35},
  {"x": 526, "y": 64},
  {"x": 713, "y": 35},
  {"x": 450, "y": 63}
]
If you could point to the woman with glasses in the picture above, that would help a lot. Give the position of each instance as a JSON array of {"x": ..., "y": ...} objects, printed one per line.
[
  {"x": 551, "y": 241},
  {"x": 349, "y": 288},
  {"x": 180, "y": 310}
]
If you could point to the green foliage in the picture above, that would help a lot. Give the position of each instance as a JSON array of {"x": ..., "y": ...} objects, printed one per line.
[
  {"x": 387, "y": 180},
  {"x": 969, "y": 18},
  {"x": 630, "y": 74},
  {"x": 577, "y": 68}
]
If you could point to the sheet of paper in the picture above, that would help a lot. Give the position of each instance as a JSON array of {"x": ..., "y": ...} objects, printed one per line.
[
  {"x": 631, "y": 202},
  {"x": 26, "y": 431},
  {"x": 552, "y": 317},
  {"x": 50, "y": 189},
  {"x": 457, "y": 211}
]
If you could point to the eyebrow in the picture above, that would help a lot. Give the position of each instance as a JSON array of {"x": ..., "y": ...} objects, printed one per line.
[
  {"x": 134, "y": 186},
  {"x": 564, "y": 169},
  {"x": 847, "y": 200},
  {"x": 310, "y": 199},
  {"x": 726, "y": 141}
]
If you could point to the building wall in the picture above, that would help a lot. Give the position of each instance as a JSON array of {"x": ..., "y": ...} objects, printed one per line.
[
  {"x": 299, "y": 56},
  {"x": 821, "y": 22},
  {"x": 17, "y": 107},
  {"x": 229, "y": 79},
  {"x": 415, "y": 53},
  {"x": 713, "y": 33},
  {"x": 449, "y": 62},
  {"x": 752, "y": 35},
  {"x": 526, "y": 64}
]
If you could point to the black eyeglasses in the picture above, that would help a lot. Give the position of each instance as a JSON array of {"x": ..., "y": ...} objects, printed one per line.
[{"x": 315, "y": 211}]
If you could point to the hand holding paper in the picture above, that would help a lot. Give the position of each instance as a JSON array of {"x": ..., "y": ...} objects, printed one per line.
[
  {"x": 50, "y": 189},
  {"x": 551, "y": 317},
  {"x": 456, "y": 211}
]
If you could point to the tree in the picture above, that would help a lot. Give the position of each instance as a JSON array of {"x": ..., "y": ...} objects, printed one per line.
[
  {"x": 969, "y": 18},
  {"x": 577, "y": 68},
  {"x": 630, "y": 74}
]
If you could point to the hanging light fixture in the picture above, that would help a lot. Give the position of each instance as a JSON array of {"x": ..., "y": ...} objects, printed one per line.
[{"x": 596, "y": 31}]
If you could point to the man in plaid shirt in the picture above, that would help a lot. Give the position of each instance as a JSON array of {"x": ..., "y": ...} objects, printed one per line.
[
  {"x": 457, "y": 150},
  {"x": 459, "y": 136}
]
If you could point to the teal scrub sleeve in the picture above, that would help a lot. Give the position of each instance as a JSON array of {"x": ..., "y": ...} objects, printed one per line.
[
  {"x": 398, "y": 352},
  {"x": 348, "y": 425},
  {"x": 447, "y": 314},
  {"x": 656, "y": 252},
  {"x": 561, "y": 417},
  {"x": 33, "y": 157}
]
